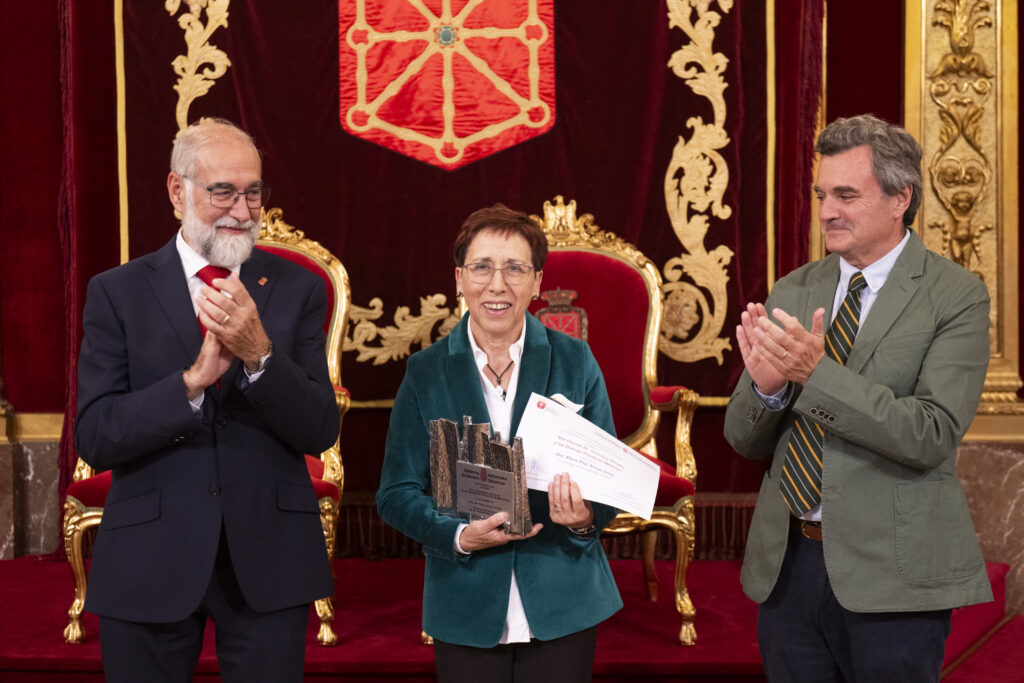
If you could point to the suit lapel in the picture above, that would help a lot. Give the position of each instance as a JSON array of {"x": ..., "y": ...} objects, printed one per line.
[
  {"x": 259, "y": 275},
  {"x": 167, "y": 280},
  {"x": 893, "y": 298},
  {"x": 821, "y": 294},
  {"x": 535, "y": 368}
]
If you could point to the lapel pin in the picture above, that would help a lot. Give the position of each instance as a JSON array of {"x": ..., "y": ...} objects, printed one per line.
[{"x": 262, "y": 281}]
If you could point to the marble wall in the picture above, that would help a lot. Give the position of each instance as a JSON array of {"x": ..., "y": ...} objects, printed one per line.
[
  {"x": 6, "y": 500},
  {"x": 993, "y": 478},
  {"x": 28, "y": 490}
]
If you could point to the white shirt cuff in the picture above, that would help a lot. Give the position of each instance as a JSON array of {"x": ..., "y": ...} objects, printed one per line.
[
  {"x": 458, "y": 548},
  {"x": 775, "y": 401}
]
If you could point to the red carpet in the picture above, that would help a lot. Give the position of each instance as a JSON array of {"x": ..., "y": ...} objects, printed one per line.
[
  {"x": 378, "y": 625},
  {"x": 998, "y": 659}
]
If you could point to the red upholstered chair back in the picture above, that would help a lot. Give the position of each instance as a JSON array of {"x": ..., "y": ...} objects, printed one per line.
[
  {"x": 613, "y": 301},
  {"x": 281, "y": 239},
  {"x": 308, "y": 263},
  {"x": 618, "y": 294}
]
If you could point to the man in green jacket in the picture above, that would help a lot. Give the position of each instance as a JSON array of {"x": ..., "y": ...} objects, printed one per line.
[{"x": 861, "y": 543}]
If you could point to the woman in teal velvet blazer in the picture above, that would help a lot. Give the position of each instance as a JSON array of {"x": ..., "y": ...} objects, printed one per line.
[{"x": 495, "y": 603}]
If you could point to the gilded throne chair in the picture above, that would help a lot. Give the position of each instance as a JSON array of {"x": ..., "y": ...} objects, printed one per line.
[
  {"x": 83, "y": 506},
  {"x": 601, "y": 289}
]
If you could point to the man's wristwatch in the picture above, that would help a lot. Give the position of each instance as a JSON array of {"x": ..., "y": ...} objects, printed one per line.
[{"x": 263, "y": 360}]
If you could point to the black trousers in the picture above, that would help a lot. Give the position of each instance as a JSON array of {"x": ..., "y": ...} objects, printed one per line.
[
  {"x": 806, "y": 635},
  {"x": 569, "y": 659},
  {"x": 251, "y": 645}
]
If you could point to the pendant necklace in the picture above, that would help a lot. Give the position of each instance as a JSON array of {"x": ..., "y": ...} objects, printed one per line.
[{"x": 504, "y": 392}]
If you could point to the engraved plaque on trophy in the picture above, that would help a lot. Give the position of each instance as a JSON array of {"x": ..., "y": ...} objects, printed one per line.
[{"x": 476, "y": 475}]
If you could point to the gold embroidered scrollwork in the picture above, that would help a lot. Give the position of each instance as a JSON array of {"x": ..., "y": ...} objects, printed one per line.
[
  {"x": 960, "y": 170},
  {"x": 193, "y": 83},
  {"x": 695, "y": 183},
  {"x": 391, "y": 342}
]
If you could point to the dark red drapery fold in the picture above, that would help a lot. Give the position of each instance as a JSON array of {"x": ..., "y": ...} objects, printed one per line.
[
  {"x": 799, "y": 95},
  {"x": 69, "y": 250},
  {"x": 86, "y": 218}
]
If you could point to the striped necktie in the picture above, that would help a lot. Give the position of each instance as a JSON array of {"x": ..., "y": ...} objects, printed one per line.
[{"x": 801, "y": 472}]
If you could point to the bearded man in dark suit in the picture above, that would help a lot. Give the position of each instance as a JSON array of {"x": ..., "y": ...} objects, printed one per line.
[{"x": 211, "y": 512}]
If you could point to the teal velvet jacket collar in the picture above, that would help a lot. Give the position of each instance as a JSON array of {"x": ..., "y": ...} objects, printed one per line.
[{"x": 462, "y": 373}]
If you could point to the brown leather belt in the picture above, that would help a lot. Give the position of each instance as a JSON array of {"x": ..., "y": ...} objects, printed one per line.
[{"x": 811, "y": 530}]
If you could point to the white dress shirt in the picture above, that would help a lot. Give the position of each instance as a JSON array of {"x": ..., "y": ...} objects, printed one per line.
[{"x": 499, "y": 409}]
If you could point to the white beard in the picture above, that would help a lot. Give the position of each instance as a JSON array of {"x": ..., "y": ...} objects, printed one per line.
[{"x": 219, "y": 248}]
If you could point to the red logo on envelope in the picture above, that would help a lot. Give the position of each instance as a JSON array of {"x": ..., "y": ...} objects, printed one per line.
[
  {"x": 541, "y": 404},
  {"x": 446, "y": 81}
]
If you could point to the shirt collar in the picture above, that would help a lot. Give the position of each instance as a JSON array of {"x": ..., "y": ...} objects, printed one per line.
[
  {"x": 515, "y": 351},
  {"x": 191, "y": 261},
  {"x": 875, "y": 274}
]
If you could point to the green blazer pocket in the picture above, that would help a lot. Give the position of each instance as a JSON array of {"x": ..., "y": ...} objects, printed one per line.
[
  {"x": 131, "y": 511},
  {"x": 295, "y": 498},
  {"x": 929, "y": 517}
]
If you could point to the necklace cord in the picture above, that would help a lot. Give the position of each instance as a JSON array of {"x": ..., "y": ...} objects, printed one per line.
[{"x": 498, "y": 376}]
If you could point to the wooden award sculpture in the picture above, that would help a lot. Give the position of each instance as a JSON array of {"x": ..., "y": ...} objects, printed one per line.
[{"x": 478, "y": 475}]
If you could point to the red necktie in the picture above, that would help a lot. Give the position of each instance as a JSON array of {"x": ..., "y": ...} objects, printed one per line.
[{"x": 208, "y": 274}]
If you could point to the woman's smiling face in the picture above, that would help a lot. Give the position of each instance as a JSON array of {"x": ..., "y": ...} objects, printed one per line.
[{"x": 497, "y": 309}]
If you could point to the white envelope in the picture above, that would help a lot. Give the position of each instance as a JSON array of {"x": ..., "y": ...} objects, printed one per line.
[{"x": 556, "y": 440}]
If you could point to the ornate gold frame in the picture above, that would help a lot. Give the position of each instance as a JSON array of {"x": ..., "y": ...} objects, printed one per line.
[{"x": 961, "y": 104}]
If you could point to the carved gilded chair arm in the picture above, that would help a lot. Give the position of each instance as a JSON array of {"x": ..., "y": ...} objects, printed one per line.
[{"x": 684, "y": 401}]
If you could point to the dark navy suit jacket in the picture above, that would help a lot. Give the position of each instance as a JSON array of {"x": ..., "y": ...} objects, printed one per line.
[{"x": 179, "y": 477}]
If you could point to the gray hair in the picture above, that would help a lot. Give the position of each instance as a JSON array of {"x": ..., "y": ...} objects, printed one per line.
[
  {"x": 895, "y": 154},
  {"x": 189, "y": 141}
]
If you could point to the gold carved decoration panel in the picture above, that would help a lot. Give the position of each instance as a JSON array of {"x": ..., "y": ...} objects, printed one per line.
[
  {"x": 194, "y": 80},
  {"x": 961, "y": 104},
  {"x": 695, "y": 183}
]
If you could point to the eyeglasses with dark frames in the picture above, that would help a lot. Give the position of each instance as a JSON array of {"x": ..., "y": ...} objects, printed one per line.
[
  {"x": 512, "y": 272},
  {"x": 224, "y": 196}
]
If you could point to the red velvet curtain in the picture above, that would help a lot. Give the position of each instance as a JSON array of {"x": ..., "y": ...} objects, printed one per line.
[
  {"x": 620, "y": 111},
  {"x": 87, "y": 209},
  {"x": 799, "y": 100}
]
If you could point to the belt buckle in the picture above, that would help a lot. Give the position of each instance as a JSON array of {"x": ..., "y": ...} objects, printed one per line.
[{"x": 811, "y": 530}]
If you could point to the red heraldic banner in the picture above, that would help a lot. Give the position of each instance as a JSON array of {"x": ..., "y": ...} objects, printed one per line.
[{"x": 447, "y": 81}]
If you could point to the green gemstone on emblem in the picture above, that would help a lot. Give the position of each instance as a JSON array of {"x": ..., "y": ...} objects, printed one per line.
[{"x": 446, "y": 35}]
